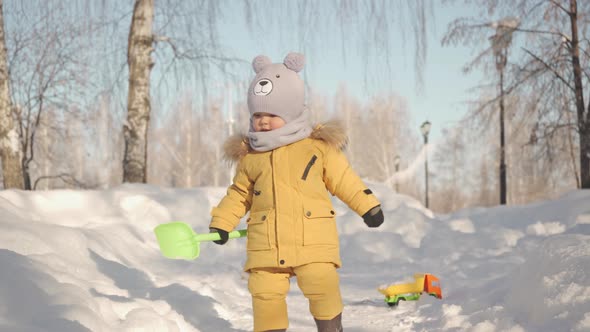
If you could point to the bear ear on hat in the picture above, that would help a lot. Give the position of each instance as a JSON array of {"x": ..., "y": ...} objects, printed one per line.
[
  {"x": 260, "y": 62},
  {"x": 295, "y": 61}
]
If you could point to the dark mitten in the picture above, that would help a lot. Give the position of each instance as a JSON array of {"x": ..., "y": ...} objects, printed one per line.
[
  {"x": 374, "y": 217},
  {"x": 224, "y": 235}
]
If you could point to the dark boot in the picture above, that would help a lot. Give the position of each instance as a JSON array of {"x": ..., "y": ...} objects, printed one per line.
[{"x": 332, "y": 325}]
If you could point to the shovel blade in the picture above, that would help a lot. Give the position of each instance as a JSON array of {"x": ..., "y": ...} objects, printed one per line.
[{"x": 177, "y": 240}]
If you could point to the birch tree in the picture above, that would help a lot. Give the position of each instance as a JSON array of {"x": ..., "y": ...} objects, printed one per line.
[
  {"x": 183, "y": 37},
  {"x": 138, "y": 103},
  {"x": 10, "y": 149}
]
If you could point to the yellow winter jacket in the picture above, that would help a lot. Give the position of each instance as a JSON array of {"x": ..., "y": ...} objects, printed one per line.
[{"x": 287, "y": 192}]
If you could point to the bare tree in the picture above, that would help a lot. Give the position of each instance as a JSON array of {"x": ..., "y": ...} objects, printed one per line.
[
  {"x": 450, "y": 165},
  {"x": 582, "y": 111},
  {"x": 557, "y": 53},
  {"x": 383, "y": 135},
  {"x": 181, "y": 154},
  {"x": 348, "y": 111},
  {"x": 10, "y": 149},
  {"x": 48, "y": 71},
  {"x": 104, "y": 140},
  {"x": 378, "y": 131}
]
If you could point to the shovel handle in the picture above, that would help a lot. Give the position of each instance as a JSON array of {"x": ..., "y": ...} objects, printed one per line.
[{"x": 216, "y": 237}]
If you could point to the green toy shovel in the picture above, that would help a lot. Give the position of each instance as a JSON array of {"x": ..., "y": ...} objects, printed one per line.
[{"x": 178, "y": 240}]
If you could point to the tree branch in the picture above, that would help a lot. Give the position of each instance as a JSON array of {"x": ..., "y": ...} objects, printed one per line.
[
  {"x": 549, "y": 68},
  {"x": 66, "y": 178},
  {"x": 558, "y": 5}
]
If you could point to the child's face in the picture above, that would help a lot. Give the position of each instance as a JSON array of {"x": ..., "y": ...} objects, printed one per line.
[{"x": 266, "y": 122}]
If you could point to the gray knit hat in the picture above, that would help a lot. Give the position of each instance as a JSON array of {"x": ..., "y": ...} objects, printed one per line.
[{"x": 277, "y": 88}]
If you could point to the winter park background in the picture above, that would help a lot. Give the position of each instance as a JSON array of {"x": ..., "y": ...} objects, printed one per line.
[
  {"x": 88, "y": 261},
  {"x": 77, "y": 248}
]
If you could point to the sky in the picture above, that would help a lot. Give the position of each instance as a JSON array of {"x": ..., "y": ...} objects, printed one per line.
[
  {"x": 89, "y": 261},
  {"x": 440, "y": 100}
]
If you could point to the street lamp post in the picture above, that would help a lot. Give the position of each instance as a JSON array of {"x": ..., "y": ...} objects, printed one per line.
[
  {"x": 396, "y": 161},
  {"x": 500, "y": 43},
  {"x": 425, "y": 128}
]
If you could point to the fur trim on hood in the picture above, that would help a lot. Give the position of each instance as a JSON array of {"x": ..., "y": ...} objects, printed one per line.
[{"x": 333, "y": 133}]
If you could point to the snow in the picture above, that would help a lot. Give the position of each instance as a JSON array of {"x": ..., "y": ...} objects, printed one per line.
[{"x": 89, "y": 260}]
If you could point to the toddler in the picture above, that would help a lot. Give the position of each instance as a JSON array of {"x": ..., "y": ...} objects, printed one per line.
[{"x": 286, "y": 171}]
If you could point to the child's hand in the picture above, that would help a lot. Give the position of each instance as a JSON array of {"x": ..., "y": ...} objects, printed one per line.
[
  {"x": 374, "y": 217},
  {"x": 224, "y": 235}
]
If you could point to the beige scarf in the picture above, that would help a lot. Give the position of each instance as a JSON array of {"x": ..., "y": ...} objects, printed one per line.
[{"x": 291, "y": 132}]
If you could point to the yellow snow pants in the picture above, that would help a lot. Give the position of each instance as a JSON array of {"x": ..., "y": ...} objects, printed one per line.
[{"x": 319, "y": 283}]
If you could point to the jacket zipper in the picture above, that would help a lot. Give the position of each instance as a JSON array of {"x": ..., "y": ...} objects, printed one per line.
[
  {"x": 274, "y": 194},
  {"x": 308, "y": 167}
]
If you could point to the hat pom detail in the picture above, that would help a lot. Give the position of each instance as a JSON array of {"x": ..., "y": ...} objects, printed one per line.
[
  {"x": 260, "y": 62},
  {"x": 294, "y": 61}
]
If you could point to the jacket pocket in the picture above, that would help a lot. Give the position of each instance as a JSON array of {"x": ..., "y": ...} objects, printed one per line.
[
  {"x": 308, "y": 167},
  {"x": 258, "y": 230},
  {"x": 319, "y": 225}
]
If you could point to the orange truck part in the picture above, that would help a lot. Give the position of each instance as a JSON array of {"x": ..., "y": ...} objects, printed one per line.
[{"x": 432, "y": 286}]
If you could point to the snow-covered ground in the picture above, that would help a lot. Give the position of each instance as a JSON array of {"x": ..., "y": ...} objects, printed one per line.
[{"x": 89, "y": 260}]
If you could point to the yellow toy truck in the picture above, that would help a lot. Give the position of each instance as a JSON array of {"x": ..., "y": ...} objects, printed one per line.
[{"x": 423, "y": 282}]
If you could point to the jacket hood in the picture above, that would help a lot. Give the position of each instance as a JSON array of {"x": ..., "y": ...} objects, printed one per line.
[{"x": 333, "y": 133}]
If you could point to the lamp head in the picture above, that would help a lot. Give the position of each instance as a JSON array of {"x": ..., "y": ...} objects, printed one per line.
[{"x": 425, "y": 128}]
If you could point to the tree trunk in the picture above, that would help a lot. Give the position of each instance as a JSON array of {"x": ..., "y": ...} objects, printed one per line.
[
  {"x": 585, "y": 154},
  {"x": 138, "y": 102},
  {"x": 10, "y": 148},
  {"x": 571, "y": 146},
  {"x": 583, "y": 126}
]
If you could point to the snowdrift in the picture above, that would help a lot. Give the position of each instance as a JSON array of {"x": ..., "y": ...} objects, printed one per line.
[{"x": 88, "y": 260}]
